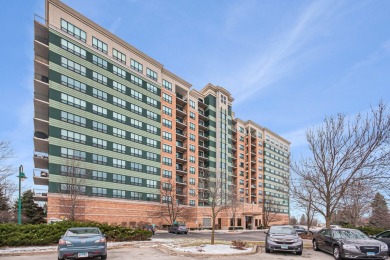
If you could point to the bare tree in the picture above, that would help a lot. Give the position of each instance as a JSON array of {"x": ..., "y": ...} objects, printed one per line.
[
  {"x": 234, "y": 206},
  {"x": 6, "y": 170},
  {"x": 345, "y": 152},
  {"x": 270, "y": 211},
  {"x": 355, "y": 204},
  {"x": 72, "y": 189},
  {"x": 170, "y": 209},
  {"x": 218, "y": 200}
]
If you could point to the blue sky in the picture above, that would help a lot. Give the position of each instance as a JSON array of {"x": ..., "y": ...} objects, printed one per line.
[{"x": 288, "y": 64}]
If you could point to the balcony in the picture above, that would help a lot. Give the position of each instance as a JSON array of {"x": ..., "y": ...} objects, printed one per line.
[
  {"x": 180, "y": 123},
  {"x": 180, "y": 147},
  {"x": 203, "y": 136},
  {"x": 201, "y": 103},
  {"x": 180, "y": 99},
  {"x": 180, "y": 134},
  {"x": 41, "y": 142},
  {"x": 234, "y": 130},
  {"x": 202, "y": 126},
  {"x": 41, "y": 160},
  {"x": 180, "y": 193},
  {"x": 202, "y": 116},
  {"x": 202, "y": 156},
  {"x": 180, "y": 181},
  {"x": 181, "y": 159},
  {"x": 180, "y": 170},
  {"x": 41, "y": 177},
  {"x": 202, "y": 166},
  {"x": 180, "y": 111},
  {"x": 40, "y": 196},
  {"x": 253, "y": 186},
  {"x": 202, "y": 146}
]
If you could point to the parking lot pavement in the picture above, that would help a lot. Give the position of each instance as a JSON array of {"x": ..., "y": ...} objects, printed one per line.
[{"x": 149, "y": 252}]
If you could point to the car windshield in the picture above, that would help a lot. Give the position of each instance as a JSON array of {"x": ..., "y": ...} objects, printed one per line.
[
  {"x": 282, "y": 230},
  {"x": 345, "y": 233},
  {"x": 82, "y": 232}
]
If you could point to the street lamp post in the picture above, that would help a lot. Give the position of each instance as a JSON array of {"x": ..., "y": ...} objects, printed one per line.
[{"x": 21, "y": 177}]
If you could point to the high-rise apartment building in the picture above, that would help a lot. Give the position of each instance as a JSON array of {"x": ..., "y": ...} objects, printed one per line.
[{"x": 114, "y": 129}]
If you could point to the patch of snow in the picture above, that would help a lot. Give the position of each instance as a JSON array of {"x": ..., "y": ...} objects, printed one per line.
[{"x": 213, "y": 249}]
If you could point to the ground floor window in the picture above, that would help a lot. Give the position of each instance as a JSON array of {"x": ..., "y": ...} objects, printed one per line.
[
  {"x": 207, "y": 222},
  {"x": 239, "y": 224}
]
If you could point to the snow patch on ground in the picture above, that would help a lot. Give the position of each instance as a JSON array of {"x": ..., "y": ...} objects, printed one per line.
[{"x": 213, "y": 249}]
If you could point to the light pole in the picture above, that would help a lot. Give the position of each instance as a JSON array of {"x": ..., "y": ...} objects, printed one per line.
[{"x": 21, "y": 177}]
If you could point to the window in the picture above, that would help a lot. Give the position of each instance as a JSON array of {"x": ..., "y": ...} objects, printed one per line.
[
  {"x": 73, "y": 30},
  {"x": 192, "y": 148},
  {"x": 192, "y": 115},
  {"x": 167, "y": 148},
  {"x": 137, "y": 81},
  {"x": 151, "y": 74},
  {"x": 73, "y": 154},
  {"x": 167, "y": 110},
  {"x": 136, "y": 166},
  {"x": 77, "y": 85},
  {"x": 167, "y": 136},
  {"x": 151, "y": 156},
  {"x": 99, "y": 78},
  {"x": 72, "y": 48},
  {"x": 192, "y": 126},
  {"x": 151, "y": 129},
  {"x": 136, "y": 152},
  {"x": 119, "y": 102},
  {"x": 73, "y": 101},
  {"x": 192, "y": 202},
  {"x": 96, "y": 142},
  {"x": 151, "y": 101},
  {"x": 135, "y": 94},
  {"x": 119, "y": 194},
  {"x": 166, "y": 198},
  {"x": 151, "y": 197},
  {"x": 119, "y": 148},
  {"x": 136, "y": 65},
  {"x": 151, "y": 183},
  {"x": 241, "y": 182},
  {"x": 167, "y": 123},
  {"x": 192, "y": 170},
  {"x": 99, "y": 94},
  {"x": 241, "y": 129},
  {"x": 151, "y": 88},
  {"x": 99, "y": 61},
  {"x": 98, "y": 175},
  {"x": 118, "y": 178},
  {"x": 167, "y": 85},
  {"x": 167, "y": 161},
  {"x": 135, "y": 181},
  {"x": 99, "y": 127},
  {"x": 192, "y": 137},
  {"x": 241, "y": 138},
  {"x": 98, "y": 44},
  {"x": 167, "y": 98},
  {"x": 192, "y": 159},
  {"x": 119, "y": 87},
  {"x": 151, "y": 115},
  {"x": 192, "y": 104},
  {"x": 135, "y": 195},
  {"x": 241, "y": 190},
  {"x": 100, "y": 192},
  {"x": 73, "y": 119},
  {"x": 99, "y": 159},
  {"x": 73, "y": 66},
  {"x": 118, "y": 71},
  {"x": 119, "y": 56},
  {"x": 151, "y": 170},
  {"x": 73, "y": 171},
  {"x": 135, "y": 138},
  {"x": 119, "y": 163},
  {"x": 99, "y": 110},
  {"x": 192, "y": 181},
  {"x": 119, "y": 132},
  {"x": 241, "y": 155},
  {"x": 241, "y": 147},
  {"x": 223, "y": 99},
  {"x": 167, "y": 174},
  {"x": 135, "y": 123},
  {"x": 135, "y": 109}
]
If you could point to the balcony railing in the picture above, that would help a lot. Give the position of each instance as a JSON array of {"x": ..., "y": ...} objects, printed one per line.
[{"x": 41, "y": 78}]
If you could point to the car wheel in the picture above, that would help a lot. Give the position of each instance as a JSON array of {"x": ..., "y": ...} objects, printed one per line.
[
  {"x": 315, "y": 246},
  {"x": 185, "y": 233},
  {"x": 337, "y": 253},
  {"x": 103, "y": 256},
  {"x": 299, "y": 253},
  {"x": 267, "y": 250},
  {"x": 59, "y": 258}
]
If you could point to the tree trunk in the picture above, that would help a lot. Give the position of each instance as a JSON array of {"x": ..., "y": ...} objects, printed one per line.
[
  {"x": 328, "y": 219},
  {"x": 212, "y": 230}
]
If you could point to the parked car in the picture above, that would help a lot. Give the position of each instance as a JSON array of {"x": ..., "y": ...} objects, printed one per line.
[
  {"x": 349, "y": 243},
  {"x": 150, "y": 228},
  {"x": 82, "y": 242},
  {"x": 178, "y": 229},
  {"x": 300, "y": 229},
  {"x": 283, "y": 238},
  {"x": 384, "y": 237}
]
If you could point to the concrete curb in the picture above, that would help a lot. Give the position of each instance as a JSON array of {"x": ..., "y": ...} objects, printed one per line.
[{"x": 171, "y": 251}]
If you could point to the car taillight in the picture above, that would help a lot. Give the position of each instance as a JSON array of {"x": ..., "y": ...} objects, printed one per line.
[
  {"x": 102, "y": 240},
  {"x": 64, "y": 242}
]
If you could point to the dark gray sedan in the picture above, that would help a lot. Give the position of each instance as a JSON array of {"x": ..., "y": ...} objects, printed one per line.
[
  {"x": 82, "y": 242},
  {"x": 283, "y": 238},
  {"x": 350, "y": 244},
  {"x": 384, "y": 237}
]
